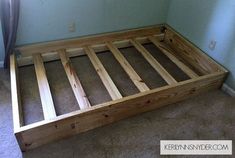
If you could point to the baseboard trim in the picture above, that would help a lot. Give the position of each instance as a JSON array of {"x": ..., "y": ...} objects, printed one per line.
[
  {"x": 228, "y": 90},
  {"x": 1, "y": 64}
]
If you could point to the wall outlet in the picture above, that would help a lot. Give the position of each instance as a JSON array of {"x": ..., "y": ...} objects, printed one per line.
[
  {"x": 212, "y": 45},
  {"x": 72, "y": 27}
]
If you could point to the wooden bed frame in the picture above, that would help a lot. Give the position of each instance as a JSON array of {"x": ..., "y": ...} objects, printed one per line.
[{"x": 205, "y": 74}]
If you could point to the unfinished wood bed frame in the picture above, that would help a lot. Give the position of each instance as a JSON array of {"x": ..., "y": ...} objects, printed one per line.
[{"x": 205, "y": 74}]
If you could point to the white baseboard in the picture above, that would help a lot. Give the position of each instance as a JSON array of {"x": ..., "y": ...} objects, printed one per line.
[
  {"x": 1, "y": 64},
  {"x": 228, "y": 90}
]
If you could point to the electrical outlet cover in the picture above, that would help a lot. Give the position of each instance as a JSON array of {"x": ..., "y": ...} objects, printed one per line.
[
  {"x": 212, "y": 45},
  {"x": 72, "y": 27}
]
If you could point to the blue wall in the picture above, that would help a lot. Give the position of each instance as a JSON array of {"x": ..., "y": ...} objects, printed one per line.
[
  {"x": 204, "y": 20},
  {"x": 46, "y": 20},
  {"x": 198, "y": 20}
]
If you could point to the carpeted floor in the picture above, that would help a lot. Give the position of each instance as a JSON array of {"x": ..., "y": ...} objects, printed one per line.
[{"x": 207, "y": 116}]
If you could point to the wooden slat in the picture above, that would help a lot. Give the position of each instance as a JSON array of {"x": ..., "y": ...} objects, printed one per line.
[
  {"x": 104, "y": 76},
  {"x": 74, "y": 81},
  {"x": 44, "y": 89},
  {"x": 78, "y": 51},
  {"x": 128, "y": 68},
  {"x": 28, "y": 50},
  {"x": 15, "y": 95},
  {"x": 168, "y": 53},
  {"x": 153, "y": 62},
  {"x": 43, "y": 132}
]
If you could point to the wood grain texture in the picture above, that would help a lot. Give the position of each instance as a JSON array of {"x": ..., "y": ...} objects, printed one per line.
[
  {"x": 154, "y": 63},
  {"x": 81, "y": 121},
  {"x": 58, "y": 127},
  {"x": 190, "y": 53},
  {"x": 128, "y": 68},
  {"x": 78, "y": 51},
  {"x": 29, "y": 50},
  {"x": 168, "y": 52},
  {"x": 104, "y": 76},
  {"x": 15, "y": 95},
  {"x": 74, "y": 81},
  {"x": 44, "y": 88}
]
